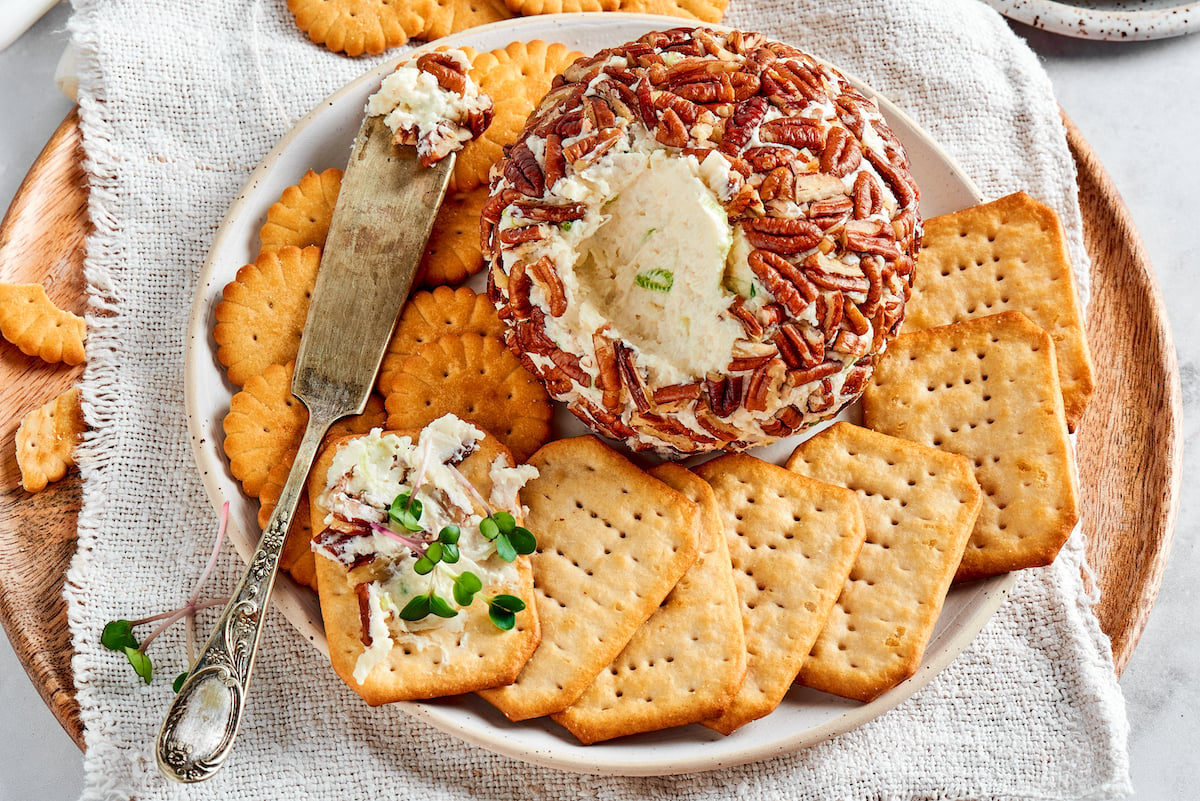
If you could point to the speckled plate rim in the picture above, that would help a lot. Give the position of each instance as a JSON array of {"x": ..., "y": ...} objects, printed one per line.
[
  {"x": 1083, "y": 21},
  {"x": 806, "y": 717}
]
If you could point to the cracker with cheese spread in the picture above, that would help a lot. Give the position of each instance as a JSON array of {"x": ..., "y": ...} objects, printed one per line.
[{"x": 422, "y": 572}]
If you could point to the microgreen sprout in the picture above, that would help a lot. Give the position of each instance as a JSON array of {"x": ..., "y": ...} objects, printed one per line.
[
  {"x": 510, "y": 539},
  {"x": 118, "y": 634},
  {"x": 502, "y": 609},
  {"x": 499, "y": 527}
]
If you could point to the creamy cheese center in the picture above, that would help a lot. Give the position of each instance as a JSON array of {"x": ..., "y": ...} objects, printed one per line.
[{"x": 655, "y": 268}]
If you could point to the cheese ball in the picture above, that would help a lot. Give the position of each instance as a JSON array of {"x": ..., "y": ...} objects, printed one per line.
[{"x": 702, "y": 240}]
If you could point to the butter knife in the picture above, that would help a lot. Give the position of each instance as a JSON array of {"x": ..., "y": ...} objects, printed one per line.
[{"x": 381, "y": 223}]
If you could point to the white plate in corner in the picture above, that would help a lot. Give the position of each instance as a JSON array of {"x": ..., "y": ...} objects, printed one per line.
[
  {"x": 1105, "y": 20},
  {"x": 321, "y": 140}
]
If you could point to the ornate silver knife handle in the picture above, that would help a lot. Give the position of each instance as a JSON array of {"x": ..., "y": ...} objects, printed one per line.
[{"x": 203, "y": 721}]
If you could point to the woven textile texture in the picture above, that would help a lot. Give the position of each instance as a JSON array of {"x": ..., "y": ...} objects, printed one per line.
[{"x": 180, "y": 99}]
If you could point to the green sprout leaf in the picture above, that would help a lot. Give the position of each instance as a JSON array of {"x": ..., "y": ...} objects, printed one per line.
[
  {"x": 523, "y": 541},
  {"x": 406, "y": 511},
  {"x": 177, "y": 685},
  {"x": 423, "y": 566},
  {"x": 505, "y": 549},
  {"x": 505, "y": 522},
  {"x": 440, "y": 607},
  {"x": 465, "y": 587},
  {"x": 449, "y": 535},
  {"x": 449, "y": 553},
  {"x": 416, "y": 609},
  {"x": 502, "y": 610},
  {"x": 655, "y": 279},
  {"x": 489, "y": 528},
  {"x": 141, "y": 663},
  {"x": 118, "y": 635},
  {"x": 434, "y": 552}
]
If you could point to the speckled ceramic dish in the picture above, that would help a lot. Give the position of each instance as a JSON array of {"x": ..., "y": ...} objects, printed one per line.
[
  {"x": 322, "y": 139},
  {"x": 1107, "y": 20}
]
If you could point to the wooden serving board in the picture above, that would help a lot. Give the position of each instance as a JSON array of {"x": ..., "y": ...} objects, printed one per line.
[{"x": 1129, "y": 502}]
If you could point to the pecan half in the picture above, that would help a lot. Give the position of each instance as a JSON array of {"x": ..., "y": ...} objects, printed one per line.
[
  {"x": 556, "y": 163},
  {"x": 687, "y": 111},
  {"x": 445, "y": 69},
  {"x": 519, "y": 236},
  {"x": 793, "y": 131},
  {"x": 544, "y": 212},
  {"x": 608, "y": 377},
  {"x": 759, "y": 386},
  {"x": 724, "y": 394},
  {"x": 783, "y": 236},
  {"x": 569, "y": 364},
  {"x": 744, "y": 316},
  {"x": 584, "y": 151},
  {"x": 780, "y": 184},
  {"x": 770, "y": 269},
  {"x": 544, "y": 273},
  {"x": 740, "y": 128},
  {"x": 632, "y": 379},
  {"x": 677, "y": 392},
  {"x": 841, "y": 154},
  {"x": 868, "y": 197},
  {"x": 826, "y": 368},
  {"x": 905, "y": 191},
  {"x": 670, "y": 130},
  {"x": 523, "y": 171},
  {"x": 599, "y": 114}
]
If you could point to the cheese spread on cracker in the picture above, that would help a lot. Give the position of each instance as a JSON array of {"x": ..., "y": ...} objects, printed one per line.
[
  {"x": 417, "y": 534},
  {"x": 432, "y": 103}
]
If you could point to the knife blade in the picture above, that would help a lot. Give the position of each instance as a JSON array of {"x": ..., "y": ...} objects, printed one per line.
[{"x": 381, "y": 223}]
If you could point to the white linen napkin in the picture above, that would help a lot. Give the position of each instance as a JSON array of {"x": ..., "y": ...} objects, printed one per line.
[{"x": 180, "y": 99}]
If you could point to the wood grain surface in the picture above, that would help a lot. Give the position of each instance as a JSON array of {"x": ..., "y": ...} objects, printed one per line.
[
  {"x": 41, "y": 241},
  {"x": 1129, "y": 444}
]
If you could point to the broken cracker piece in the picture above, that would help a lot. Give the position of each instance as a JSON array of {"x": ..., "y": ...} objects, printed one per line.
[
  {"x": 31, "y": 321},
  {"x": 46, "y": 440}
]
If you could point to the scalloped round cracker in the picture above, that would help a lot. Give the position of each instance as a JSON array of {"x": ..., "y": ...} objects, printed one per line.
[
  {"x": 303, "y": 212},
  {"x": 31, "y": 321},
  {"x": 355, "y": 27},
  {"x": 516, "y": 78},
  {"x": 296, "y": 557},
  {"x": 531, "y": 7},
  {"x": 450, "y": 16},
  {"x": 430, "y": 315},
  {"x": 453, "y": 253},
  {"x": 703, "y": 10},
  {"x": 265, "y": 424},
  {"x": 478, "y": 379},
  {"x": 46, "y": 440},
  {"x": 261, "y": 318}
]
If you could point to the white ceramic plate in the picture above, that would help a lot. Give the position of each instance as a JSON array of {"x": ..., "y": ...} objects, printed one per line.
[
  {"x": 1107, "y": 20},
  {"x": 321, "y": 140}
]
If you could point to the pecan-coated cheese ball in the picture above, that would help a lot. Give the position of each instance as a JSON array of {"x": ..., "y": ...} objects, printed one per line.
[{"x": 702, "y": 240}]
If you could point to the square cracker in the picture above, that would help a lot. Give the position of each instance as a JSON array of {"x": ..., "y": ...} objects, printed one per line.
[
  {"x": 434, "y": 662},
  {"x": 612, "y": 542},
  {"x": 686, "y": 662},
  {"x": 792, "y": 542},
  {"x": 988, "y": 389},
  {"x": 919, "y": 505},
  {"x": 1007, "y": 254}
]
